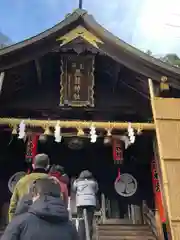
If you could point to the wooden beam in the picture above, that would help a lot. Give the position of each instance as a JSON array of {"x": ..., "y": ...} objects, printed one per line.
[
  {"x": 151, "y": 88},
  {"x": 38, "y": 70},
  {"x": 77, "y": 124},
  {"x": 165, "y": 166},
  {"x": 24, "y": 58},
  {"x": 134, "y": 89},
  {"x": 2, "y": 75},
  {"x": 117, "y": 69},
  {"x": 121, "y": 108}
]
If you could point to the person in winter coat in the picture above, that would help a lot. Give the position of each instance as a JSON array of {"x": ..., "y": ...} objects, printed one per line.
[
  {"x": 47, "y": 218},
  {"x": 40, "y": 166},
  {"x": 23, "y": 205},
  {"x": 58, "y": 172},
  {"x": 86, "y": 189}
]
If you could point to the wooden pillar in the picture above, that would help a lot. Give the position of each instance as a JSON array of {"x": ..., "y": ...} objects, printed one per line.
[
  {"x": 166, "y": 113},
  {"x": 159, "y": 207},
  {"x": 159, "y": 225},
  {"x": 2, "y": 75}
]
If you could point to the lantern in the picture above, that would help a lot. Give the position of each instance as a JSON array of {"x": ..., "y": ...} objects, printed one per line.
[
  {"x": 157, "y": 191},
  {"x": 31, "y": 148},
  {"x": 118, "y": 151}
]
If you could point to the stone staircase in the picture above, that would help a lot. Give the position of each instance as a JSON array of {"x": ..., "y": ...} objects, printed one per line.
[{"x": 123, "y": 232}]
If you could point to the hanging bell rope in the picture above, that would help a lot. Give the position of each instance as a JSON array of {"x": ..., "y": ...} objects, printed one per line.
[{"x": 22, "y": 128}]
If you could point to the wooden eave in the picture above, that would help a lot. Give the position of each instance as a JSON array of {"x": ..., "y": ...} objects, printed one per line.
[
  {"x": 117, "y": 49},
  {"x": 42, "y": 36}
]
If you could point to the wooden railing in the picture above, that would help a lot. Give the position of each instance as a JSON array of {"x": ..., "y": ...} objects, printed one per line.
[
  {"x": 151, "y": 218},
  {"x": 103, "y": 207}
]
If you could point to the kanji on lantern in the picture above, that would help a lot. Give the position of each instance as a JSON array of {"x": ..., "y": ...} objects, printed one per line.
[
  {"x": 157, "y": 187},
  {"x": 155, "y": 175}
]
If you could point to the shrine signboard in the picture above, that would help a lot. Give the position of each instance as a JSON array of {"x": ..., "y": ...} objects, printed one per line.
[{"x": 77, "y": 81}]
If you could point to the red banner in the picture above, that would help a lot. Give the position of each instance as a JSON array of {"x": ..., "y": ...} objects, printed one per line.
[
  {"x": 31, "y": 148},
  {"x": 118, "y": 149},
  {"x": 157, "y": 191}
]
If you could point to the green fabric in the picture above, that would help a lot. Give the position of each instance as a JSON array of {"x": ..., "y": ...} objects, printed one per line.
[{"x": 21, "y": 189}]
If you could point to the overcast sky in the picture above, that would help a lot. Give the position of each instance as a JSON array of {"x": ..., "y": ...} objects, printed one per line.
[{"x": 142, "y": 23}]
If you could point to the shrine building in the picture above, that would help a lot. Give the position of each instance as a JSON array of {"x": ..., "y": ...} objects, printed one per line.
[{"x": 91, "y": 101}]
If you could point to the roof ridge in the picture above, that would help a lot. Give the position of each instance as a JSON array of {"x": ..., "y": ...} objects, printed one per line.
[
  {"x": 77, "y": 13},
  {"x": 128, "y": 47}
]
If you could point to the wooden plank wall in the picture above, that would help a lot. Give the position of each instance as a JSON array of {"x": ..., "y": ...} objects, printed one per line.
[{"x": 166, "y": 113}]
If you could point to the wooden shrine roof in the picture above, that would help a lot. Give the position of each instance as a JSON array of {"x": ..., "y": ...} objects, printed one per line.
[{"x": 117, "y": 49}]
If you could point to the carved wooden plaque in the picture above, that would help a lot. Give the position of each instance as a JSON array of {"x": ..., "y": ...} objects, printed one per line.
[{"x": 77, "y": 81}]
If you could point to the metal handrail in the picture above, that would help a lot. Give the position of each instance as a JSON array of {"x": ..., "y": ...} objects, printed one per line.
[
  {"x": 86, "y": 224},
  {"x": 150, "y": 220},
  {"x": 69, "y": 208}
]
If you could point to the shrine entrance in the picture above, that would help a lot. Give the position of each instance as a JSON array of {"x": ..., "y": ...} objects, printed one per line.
[{"x": 121, "y": 203}]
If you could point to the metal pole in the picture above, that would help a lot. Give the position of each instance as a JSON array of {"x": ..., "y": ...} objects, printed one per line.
[
  {"x": 69, "y": 208},
  {"x": 80, "y": 4},
  {"x": 86, "y": 224}
]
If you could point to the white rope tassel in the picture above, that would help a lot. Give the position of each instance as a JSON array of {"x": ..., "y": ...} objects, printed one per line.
[
  {"x": 22, "y": 128},
  {"x": 57, "y": 133},
  {"x": 131, "y": 134},
  {"x": 109, "y": 132},
  {"x": 93, "y": 134},
  {"x": 77, "y": 224},
  {"x": 126, "y": 141}
]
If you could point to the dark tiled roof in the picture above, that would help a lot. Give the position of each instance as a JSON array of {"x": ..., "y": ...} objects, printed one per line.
[{"x": 122, "y": 52}]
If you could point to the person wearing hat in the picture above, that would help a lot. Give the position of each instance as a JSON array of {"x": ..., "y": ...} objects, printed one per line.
[{"x": 40, "y": 167}]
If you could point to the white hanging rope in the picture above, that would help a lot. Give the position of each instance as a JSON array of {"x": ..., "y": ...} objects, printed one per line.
[
  {"x": 57, "y": 133},
  {"x": 131, "y": 134},
  {"x": 93, "y": 134},
  {"x": 22, "y": 128},
  {"x": 126, "y": 141}
]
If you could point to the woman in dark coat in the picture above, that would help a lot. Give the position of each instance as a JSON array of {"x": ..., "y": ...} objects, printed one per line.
[
  {"x": 23, "y": 205},
  {"x": 47, "y": 218}
]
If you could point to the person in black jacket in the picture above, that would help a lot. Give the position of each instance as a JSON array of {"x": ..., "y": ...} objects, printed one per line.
[
  {"x": 46, "y": 219},
  {"x": 24, "y": 204}
]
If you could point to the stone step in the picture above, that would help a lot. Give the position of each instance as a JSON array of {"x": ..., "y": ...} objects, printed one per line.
[
  {"x": 118, "y": 221},
  {"x": 126, "y": 238},
  {"x": 124, "y": 233},
  {"x": 124, "y": 227}
]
